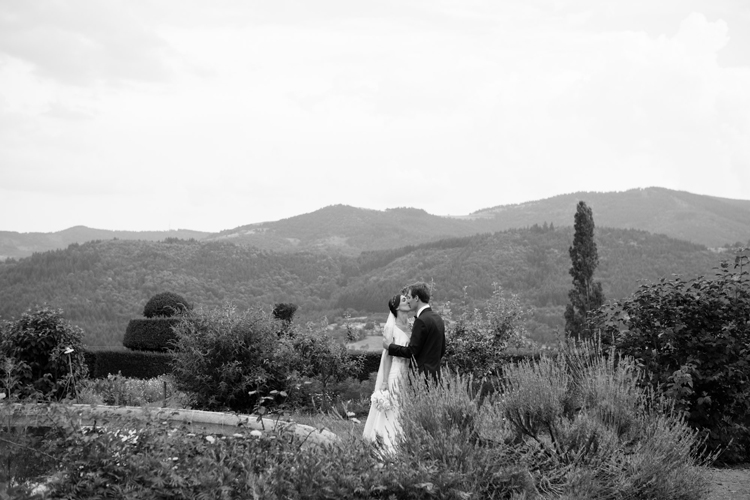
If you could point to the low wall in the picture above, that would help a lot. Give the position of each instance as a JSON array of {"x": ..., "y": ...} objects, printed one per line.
[{"x": 203, "y": 422}]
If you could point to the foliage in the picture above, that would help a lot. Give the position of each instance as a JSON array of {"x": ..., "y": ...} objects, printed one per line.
[
  {"x": 221, "y": 355},
  {"x": 150, "y": 334},
  {"x": 316, "y": 355},
  {"x": 575, "y": 426},
  {"x": 103, "y": 285},
  {"x": 615, "y": 442},
  {"x": 119, "y": 390},
  {"x": 586, "y": 294},
  {"x": 693, "y": 338},
  {"x": 47, "y": 350},
  {"x": 133, "y": 364},
  {"x": 166, "y": 305},
  {"x": 476, "y": 341},
  {"x": 284, "y": 311},
  {"x": 229, "y": 359}
]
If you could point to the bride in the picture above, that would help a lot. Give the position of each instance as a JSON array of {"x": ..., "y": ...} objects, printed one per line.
[{"x": 382, "y": 421}]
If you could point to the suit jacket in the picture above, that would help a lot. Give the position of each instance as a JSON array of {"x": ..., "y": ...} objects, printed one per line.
[{"x": 427, "y": 344}]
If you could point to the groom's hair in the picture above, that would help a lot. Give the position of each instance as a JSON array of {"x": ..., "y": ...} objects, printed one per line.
[
  {"x": 421, "y": 290},
  {"x": 394, "y": 303}
]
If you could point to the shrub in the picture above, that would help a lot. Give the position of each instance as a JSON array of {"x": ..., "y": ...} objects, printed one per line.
[
  {"x": 693, "y": 338},
  {"x": 229, "y": 359},
  {"x": 154, "y": 334},
  {"x": 585, "y": 415},
  {"x": 317, "y": 355},
  {"x": 370, "y": 362},
  {"x": 133, "y": 459},
  {"x": 221, "y": 355},
  {"x": 119, "y": 390},
  {"x": 476, "y": 341},
  {"x": 166, "y": 304},
  {"x": 48, "y": 350},
  {"x": 575, "y": 426}
]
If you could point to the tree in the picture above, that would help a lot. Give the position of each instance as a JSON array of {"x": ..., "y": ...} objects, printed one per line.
[
  {"x": 284, "y": 311},
  {"x": 586, "y": 295}
]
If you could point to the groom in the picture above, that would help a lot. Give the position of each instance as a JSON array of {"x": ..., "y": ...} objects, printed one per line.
[{"x": 427, "y": 344}]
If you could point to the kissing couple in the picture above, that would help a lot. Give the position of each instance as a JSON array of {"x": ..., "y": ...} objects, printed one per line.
[{"x": 421, "y": 347}]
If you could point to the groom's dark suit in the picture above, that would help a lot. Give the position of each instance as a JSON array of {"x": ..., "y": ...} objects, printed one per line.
[{"x": 427, "y": 344}]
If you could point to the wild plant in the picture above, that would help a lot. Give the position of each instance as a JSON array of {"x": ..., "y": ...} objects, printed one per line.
[
  {"x": 118, "y": 390},
  {"x": 477, "y": 339},
  {"x": 595, "y": 431}
]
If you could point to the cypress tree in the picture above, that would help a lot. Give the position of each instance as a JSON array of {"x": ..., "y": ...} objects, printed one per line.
[{"x": 586, "y": 295}]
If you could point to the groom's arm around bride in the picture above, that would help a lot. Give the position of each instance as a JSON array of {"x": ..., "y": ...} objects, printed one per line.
[{"x": 427, "y": 343}]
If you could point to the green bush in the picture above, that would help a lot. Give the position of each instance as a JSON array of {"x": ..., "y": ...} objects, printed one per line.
[
  {"x": 166, "y": 304},
  {"x": 46, "y": 349},
  {"x": 370, "y": 362},
  {"x": 153, "y": 459},
  {"x": 150, "y": 334},
  {"x": 476, "y": 341},
  {"x": 575, "y": 426},
  {"x": 229, "y": 359},
  {"x": 118, "y": 390},
  {"x": 693, "y": 338},
  {"x": 221, "y": 355}
]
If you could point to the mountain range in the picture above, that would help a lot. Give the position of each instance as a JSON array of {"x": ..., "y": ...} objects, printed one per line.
[
  {"x": 342, "y": 258},
  {"x": 345, "y": 230}
]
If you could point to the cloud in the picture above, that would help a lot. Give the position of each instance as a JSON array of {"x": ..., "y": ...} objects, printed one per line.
[
  {"x": 83, "y": 41},
  {"x": 253, "y": 111}
]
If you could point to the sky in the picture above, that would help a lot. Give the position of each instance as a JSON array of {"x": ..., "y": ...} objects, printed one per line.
[{"x": 184, "y": 114}]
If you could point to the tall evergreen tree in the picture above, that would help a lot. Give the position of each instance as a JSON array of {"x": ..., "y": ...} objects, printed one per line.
[{"x": 586, "y": 295}]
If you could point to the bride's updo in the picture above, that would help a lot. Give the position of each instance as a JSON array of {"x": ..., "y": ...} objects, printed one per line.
[{"x": 394, "y": 303}]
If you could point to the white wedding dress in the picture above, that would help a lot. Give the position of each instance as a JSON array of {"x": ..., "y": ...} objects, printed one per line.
[{"x": 391, "y": 374}]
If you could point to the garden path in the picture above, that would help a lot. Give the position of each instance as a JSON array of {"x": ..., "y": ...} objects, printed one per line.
[{"x": 731, "y": 483}]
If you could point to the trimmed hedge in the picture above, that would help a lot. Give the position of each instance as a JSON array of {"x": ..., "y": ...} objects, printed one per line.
[
  {"x": 145, "y": 365},
  {"x": 133, "y": 364},
  {"x": 153, "y": 334},
  {"x": 166, "y": 304}
]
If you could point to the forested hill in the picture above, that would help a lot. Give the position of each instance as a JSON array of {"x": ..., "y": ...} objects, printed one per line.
[
  {"x": 346, "y": 230},
  {"x": 17, "y": 245},
  {"x": 102, "y": 285},
  {"x": 707, "y": 220},
  {"x": 349, "y": 230}
]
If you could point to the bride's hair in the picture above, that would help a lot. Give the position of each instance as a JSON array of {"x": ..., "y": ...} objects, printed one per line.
[{"x": 394, "y": 303}]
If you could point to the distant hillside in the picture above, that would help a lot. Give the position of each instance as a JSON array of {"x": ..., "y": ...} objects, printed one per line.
[
  {"x": 346, "y": 230},
  {"x": 707, "y": 220},
  {"x": 16, "y": 245},
  {"x": 102, "y": 285}
]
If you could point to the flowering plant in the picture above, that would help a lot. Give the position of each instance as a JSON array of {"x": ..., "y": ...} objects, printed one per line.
[{"x": 383, "y": 400}]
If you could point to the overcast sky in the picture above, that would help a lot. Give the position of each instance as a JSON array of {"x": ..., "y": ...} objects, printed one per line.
[{"x": 166, "y": 114}]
